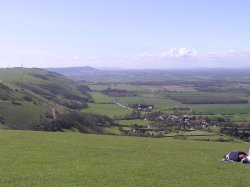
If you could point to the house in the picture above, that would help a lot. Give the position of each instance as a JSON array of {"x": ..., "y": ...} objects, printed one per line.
[{"x": 143, "y": 107}]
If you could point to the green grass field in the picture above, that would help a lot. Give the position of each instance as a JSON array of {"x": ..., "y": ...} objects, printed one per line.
[
  {"x": 168, "y": 104},
  {"x": 202, "y": 136},
  {"x": 237, "y": 112},
  {"x": 223, "y": 108},
  {"x": 97, "y": 87},
  {"x": 74, "y": 159},
  {"x": 110, "y": 110},
  {"x": 101, "y": 98},
  {"x": 160, "y": 96}
]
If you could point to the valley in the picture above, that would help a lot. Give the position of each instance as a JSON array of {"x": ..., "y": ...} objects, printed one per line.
[
  {"x": 133, "y": 132},
  {"x": 193, "y": 104}
]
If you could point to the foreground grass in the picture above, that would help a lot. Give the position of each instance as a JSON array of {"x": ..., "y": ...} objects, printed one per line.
[{"x": 73, "y": 159}]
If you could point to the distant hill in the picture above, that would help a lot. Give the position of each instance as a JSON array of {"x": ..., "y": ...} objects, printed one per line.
[
  {"x": 72, "y": 70},
  {"x": 29, "y": 95}
]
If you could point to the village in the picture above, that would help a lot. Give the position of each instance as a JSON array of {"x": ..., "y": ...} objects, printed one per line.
[{"x": 162, "y": 123}]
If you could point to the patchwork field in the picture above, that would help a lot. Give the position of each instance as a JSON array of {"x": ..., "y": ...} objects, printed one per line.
[
  {"x": 72, "y": 159},
  {"x": 232, "y": 104}
]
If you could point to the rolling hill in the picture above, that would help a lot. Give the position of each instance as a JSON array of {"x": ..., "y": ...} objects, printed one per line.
[
  {"x": 73, "y": 71},
  {"x": 30, "y": 95}
]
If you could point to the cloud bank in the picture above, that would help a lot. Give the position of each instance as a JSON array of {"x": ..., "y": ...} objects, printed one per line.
[
  {"x": 172, "y": 58},
  {"x": 185, "y": 58}
]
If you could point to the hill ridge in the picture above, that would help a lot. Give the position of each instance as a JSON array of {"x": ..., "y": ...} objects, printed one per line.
[{"x": 29, "y": 95}]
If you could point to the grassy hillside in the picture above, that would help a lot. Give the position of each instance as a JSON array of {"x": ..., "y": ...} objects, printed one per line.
[
  {"x": 73, "y": 159},
  {"x": 29, "y": 95}
]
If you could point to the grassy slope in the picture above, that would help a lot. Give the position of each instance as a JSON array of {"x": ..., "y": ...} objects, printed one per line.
[
  {"x": 20, "y": 114},
  {"x": 72, "y": 159},
  {"x": 13, "y": 77},
  {"x": 39, "y": 85}
]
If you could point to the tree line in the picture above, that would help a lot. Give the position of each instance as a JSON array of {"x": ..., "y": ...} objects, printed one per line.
[{"x": 74, "y": 120}]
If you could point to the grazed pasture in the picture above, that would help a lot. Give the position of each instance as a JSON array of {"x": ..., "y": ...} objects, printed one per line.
[{"x": 73, "y": 159}]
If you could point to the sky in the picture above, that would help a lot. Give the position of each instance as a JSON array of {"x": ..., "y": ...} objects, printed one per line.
[{"x": 129, "y": 34}]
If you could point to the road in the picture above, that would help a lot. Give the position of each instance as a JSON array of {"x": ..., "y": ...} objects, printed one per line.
[{"x": 124, "y": 106}]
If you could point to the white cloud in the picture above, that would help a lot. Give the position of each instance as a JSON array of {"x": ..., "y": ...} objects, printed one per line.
[
  {"x": 76, "y": 57},
  {"x": 182, "y": 52},
  {"x": 230, "y": 53},
  {"x": 184, "y": 57},
  {"x": 172, "y": 53}
]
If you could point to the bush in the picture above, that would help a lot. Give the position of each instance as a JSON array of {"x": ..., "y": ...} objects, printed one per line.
[{"x": 84, "y": 123}]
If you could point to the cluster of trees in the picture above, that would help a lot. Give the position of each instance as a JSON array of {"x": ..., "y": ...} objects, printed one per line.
[
  {"x": 135, "y": 114},
  {"x": 74, "y": 101},
  {"x": 83, "y": 122},
  {"x": 209, "y": 100},
  {"x": 236, "y": 131},
  {"x": 84, "y": 89},
  {"x": 118, "y": 92}
]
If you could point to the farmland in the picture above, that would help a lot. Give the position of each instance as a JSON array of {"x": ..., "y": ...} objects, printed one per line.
[
  {"x": 161, "y": 102},
  {"x": 213, "y": 95},
  {"x": 205, "y": 92},
  {"x": 73, "y": 159}
]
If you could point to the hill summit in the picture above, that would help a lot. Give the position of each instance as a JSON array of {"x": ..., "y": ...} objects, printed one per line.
[{"x": 72, "y": 70}]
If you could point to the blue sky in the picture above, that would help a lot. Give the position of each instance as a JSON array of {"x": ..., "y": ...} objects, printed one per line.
[{"x": 125, "y": 33}]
